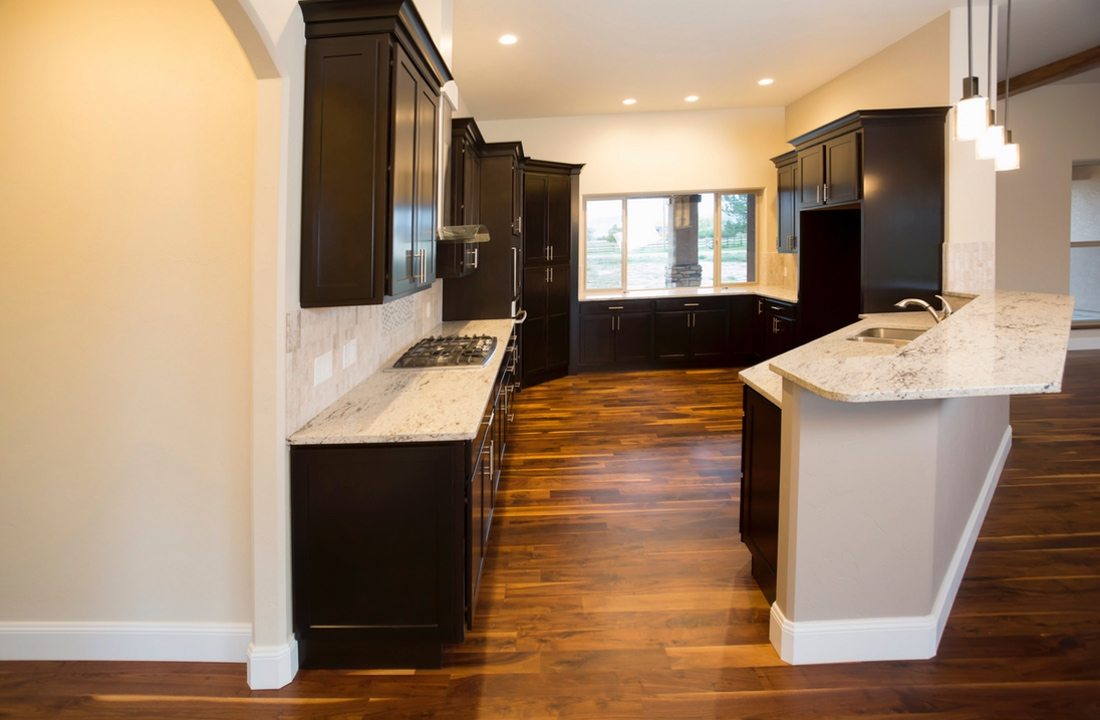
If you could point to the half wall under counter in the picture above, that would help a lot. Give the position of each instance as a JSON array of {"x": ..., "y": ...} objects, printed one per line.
[{"x": 889, "y": 458}]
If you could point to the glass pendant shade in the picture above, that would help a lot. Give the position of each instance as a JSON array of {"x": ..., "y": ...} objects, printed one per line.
[
  {"x": 971, "y": 117},
  {"x": 990, "y": 142},
  {"x": 1008, "y": 157}
]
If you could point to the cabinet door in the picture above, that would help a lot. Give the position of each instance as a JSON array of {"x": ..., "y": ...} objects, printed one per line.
[
  {"x": 597, "y": 339},
  {"x": 475, "y": 537},
  {"x": 345, "y": 159},
  {"x": 759, "y": 330},
  {"x": 742, "y": 317},
  {"x": 842, "y": 171},
  {"x": 634, "y": 337},
  {"x": 781, "y": 335},
  {"x": 760, "y": 487},
  {"x": 427, "y": 116},
  {"x": 535, "y": 249},
  {"x": 557, "y": 342},
  {"x": 559, "y": 220},
  {"x": 708, "y": 334},
  {"x": 535, "y": 286},
  {"x": 811, "y": 175},
  {"x": 788, "y": 208},
  {"x": 672, "y": 335},
  {"x": 403, "y": 261}
]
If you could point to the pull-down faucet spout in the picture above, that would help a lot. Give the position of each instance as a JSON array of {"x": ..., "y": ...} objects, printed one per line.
[{"x": 939, "y": 315}]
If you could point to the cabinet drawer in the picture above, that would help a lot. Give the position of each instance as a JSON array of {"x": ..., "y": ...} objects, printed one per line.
[
  {"x": 778, "y": 308},
  {"x": 601, "y": 307},
  {"x": 692, "y": 303}
]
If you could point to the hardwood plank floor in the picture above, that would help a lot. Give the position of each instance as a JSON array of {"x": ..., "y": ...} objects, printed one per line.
[{"x": 617, "y": 587}]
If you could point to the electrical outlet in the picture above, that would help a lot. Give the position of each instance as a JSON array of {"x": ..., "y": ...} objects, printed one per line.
[
  {"x": 322, "y": 368},
  {"x": 350, "y": 353}
]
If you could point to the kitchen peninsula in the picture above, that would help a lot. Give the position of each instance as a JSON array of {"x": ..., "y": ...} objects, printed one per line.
[{"x": 888, "y": 460}]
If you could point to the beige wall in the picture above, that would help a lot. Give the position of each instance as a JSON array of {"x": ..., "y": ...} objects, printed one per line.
[
  {"x": 1054, "y": 125},
  {"x": 674, "y": 151},
  {"x": 126, "y": 164},
  {"x": 909, "y": 73}
]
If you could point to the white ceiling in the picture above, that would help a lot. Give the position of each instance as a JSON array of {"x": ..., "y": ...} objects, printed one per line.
[{"x": 580, "y": 57}]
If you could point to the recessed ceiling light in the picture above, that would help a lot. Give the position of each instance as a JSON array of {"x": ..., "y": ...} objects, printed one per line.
[
  {"x": 691, "y": 98},
  {"x": 629, "y": 101},
  {"x": 765, "y": 81},
  {"x": 508, "y": 39}
]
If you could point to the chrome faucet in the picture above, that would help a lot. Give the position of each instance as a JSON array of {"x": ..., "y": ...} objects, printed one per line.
[{"x": 940, "y": 315}]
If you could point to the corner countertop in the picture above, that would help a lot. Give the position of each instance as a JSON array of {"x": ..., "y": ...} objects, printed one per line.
[
  {"x": 774, "y": 292},
  {"x": 421, "y": 405},
  {"x": 1000, "y": 343}
]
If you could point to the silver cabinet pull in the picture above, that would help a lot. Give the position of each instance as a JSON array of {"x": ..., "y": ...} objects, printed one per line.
[
  {"x": 515, "y": 272},
  {"x": 551, "y": 253},
  {"x": 691, "y": 304},
  {"x": 519, "y": 319},
  {"x": 546, "y": 274},
  {"x": 826, "y": 192},
  {"x": 551, "y": 274},
  {"x": 492, "y": 473},
  {"x": 817, "y": 188},
  {"x": 614, "y": 307},
  {"x": 759, "y": 307},
  {"x": 492, "y": 416}
]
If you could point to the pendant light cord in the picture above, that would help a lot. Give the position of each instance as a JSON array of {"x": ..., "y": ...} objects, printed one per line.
[
  {"x": 989, "y": 65},
  {"x": 969, "y": 36},
  {"x": 1008, "y": 41}
]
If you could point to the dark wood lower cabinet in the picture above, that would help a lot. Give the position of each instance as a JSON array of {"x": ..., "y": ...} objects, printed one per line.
[
  {"x": 736, "y": 330},
  {"x": 388, "y": 542},
  {"x": 760, "y": 443}
]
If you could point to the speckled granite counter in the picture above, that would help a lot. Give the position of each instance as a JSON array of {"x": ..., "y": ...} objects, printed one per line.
[
  {"x": 774, "y": 292},
  {"x": 1001, "y": 343},
  {"x": 423, "y": 405}
]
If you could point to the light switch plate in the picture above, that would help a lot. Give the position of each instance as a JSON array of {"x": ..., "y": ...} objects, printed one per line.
[
  {"x": 322, "y": 368},
  {"x": 350, "y": 353}
]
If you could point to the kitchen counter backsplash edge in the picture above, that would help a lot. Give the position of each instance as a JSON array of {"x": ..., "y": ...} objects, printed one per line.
[{"x": 413, "y": 405}]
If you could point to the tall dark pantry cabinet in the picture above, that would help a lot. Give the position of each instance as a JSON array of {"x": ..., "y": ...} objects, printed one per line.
[{"x": 551, "y": 217}]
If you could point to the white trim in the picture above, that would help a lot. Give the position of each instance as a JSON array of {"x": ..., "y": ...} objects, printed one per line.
[
  {"x": 897, "y": 638},
  {"x": 271, "y": 667},
  {"x": 1084, "y": 339},
  {"x": 168, "y": 642}
]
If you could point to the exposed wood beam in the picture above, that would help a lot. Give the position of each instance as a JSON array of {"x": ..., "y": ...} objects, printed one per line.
[{"x": 1052, "y": 72}]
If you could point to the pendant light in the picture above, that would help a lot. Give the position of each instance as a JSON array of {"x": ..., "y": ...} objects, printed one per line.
[
  {"x": 993, "y": 137},
  {"x": 971, "y": 112},
  {"x": 1008, "y": 157}
]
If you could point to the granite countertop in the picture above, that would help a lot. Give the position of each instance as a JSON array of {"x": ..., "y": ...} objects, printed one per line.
[
  {"x": 421, "y": 405},
  {"x": 1000, "y": 343},
  {"x": 774, "y": 292}
]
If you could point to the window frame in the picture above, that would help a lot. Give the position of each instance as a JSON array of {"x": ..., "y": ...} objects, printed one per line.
[{"x": 716, "y": 267}]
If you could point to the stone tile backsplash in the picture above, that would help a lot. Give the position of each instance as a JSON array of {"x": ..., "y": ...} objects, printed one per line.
[{"x": 379, "y": 332}]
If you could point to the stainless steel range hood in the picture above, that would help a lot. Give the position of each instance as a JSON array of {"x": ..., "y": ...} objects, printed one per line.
[{"x": 464, "y": 234}]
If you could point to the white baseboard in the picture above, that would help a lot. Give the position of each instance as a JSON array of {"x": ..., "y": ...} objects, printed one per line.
[
  {"x": 896, "y": 638},
  {"x": 169, "y": 642},
  {"x": 271, "y": 667},
  {"x": 1084, "y": 339}
]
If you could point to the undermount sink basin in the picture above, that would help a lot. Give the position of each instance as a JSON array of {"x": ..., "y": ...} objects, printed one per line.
[{"x": 888, "y": 335}]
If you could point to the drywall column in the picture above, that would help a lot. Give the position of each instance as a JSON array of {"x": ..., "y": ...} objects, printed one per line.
[{"x": 880, "y": 504}]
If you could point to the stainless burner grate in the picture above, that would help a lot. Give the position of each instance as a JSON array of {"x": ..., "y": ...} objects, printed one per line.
[{"x": 449, "y": 351}]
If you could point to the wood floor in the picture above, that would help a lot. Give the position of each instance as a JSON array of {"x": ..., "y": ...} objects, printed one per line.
[{"x": 617, "y": 588}]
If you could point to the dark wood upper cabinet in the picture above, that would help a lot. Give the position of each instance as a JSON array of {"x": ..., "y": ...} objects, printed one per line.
[
  {"x": 787, "y": 202},
  {"x": 462, "y": 199},
  {"x": 490, "y": 290},
  {"x": 829, "y": 173},
  {"x": 863, "y": 246},
  {"x": 369, "y": 152}
]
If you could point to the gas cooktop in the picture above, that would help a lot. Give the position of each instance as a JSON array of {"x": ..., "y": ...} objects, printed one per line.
[{"x": 448, "y": 351}]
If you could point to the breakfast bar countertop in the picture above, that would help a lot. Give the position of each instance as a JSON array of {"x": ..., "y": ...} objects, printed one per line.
[
  {"x": 413, "y": 405},
  {"x": 1000, "y": 343}
]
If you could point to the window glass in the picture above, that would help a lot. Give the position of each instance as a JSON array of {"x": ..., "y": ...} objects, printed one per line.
[
  {"x": 647, "y": 242},
  {"x": 670, "y": 240},
  {"x": 603, "y": 266},
  {"x": 737, "y": 216}
]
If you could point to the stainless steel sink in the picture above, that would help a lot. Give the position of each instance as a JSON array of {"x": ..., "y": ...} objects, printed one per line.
[{"x": 887, "y": 335}]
